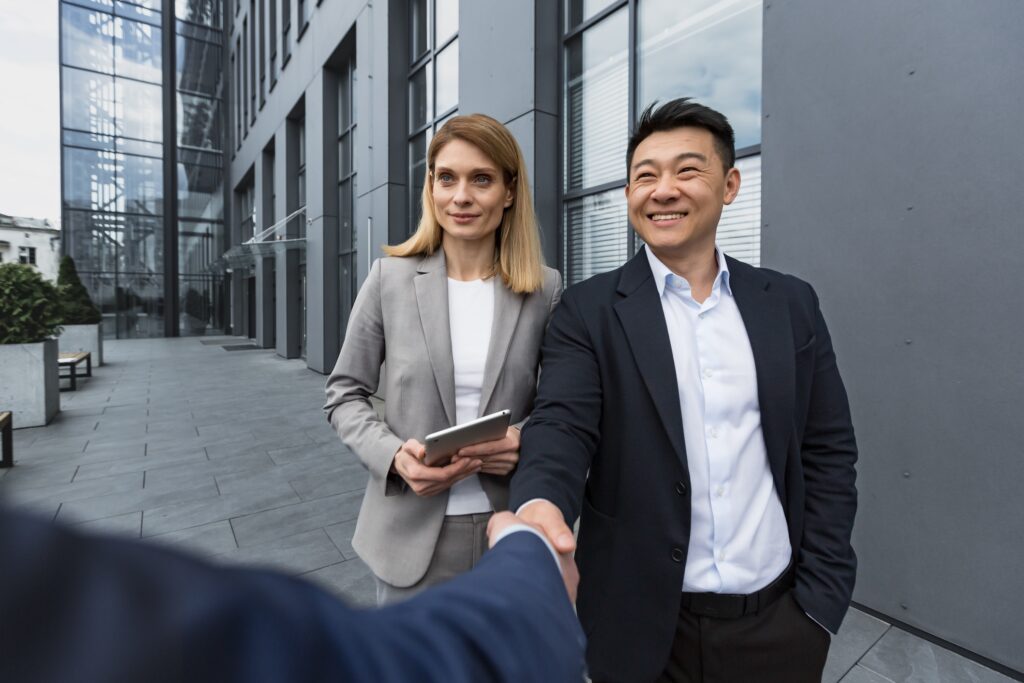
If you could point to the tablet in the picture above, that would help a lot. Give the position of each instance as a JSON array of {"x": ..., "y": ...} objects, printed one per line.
[{"x": 442, "y": 445}]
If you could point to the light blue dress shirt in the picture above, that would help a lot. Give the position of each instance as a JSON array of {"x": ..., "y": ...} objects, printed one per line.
[{"x": 739, "y": 540}]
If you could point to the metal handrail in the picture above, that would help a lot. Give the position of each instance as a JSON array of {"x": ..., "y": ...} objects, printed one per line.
[{"x": 262, "y": 237}]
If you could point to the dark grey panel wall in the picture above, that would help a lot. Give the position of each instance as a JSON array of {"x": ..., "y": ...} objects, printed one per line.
[{"x": 892, "y": 159}]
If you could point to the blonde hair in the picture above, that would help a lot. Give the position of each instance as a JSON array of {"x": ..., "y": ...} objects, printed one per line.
[{"x": 517, "y": 255}]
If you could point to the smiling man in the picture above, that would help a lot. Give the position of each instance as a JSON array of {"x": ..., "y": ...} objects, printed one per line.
[{"x": 690, "y": 412}]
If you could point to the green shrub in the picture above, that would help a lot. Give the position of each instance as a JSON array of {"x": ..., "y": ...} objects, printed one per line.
[
  {"x": 78, "y": 307},
  {"x": 30, "y": 309}
]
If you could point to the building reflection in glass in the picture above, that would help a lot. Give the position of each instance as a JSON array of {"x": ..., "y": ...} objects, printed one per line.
[{"x": 114, "y": 205}]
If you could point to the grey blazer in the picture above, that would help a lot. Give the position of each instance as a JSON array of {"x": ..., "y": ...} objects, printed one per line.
[{"x": 401, "y": 316}]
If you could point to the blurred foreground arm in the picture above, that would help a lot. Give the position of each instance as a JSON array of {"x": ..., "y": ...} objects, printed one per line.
[{"x": 93, "y": 609}]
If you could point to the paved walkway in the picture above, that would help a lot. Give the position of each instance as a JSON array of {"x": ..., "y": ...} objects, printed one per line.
[{"x": 227, "y": 454}]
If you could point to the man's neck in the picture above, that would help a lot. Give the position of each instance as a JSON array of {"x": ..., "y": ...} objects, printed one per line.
[{"x": 699, "y": 268}]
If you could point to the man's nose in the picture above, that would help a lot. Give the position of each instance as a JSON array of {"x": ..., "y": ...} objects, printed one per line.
[{"x": 665, "y": 189}]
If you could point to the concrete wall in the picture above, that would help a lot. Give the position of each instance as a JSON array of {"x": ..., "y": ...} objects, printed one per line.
[
  {"x": 29, "y": 384},
  {"x": 892, "y": 150}
]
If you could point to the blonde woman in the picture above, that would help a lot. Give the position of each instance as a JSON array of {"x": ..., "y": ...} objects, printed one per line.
[{"x": 455, "y": 314}]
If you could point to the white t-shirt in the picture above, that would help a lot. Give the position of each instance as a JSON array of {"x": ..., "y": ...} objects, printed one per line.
[{"x": 470, "y": 315}]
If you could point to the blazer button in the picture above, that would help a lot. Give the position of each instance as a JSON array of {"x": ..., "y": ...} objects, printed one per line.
[
  {"x": 681, "y": 488},
  {"x": 677, "y": 554}
]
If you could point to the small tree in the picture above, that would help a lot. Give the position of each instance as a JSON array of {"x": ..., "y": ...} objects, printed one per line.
[
  {"x": 30, "y": 309},
  {"x": 78, "y": 307}
]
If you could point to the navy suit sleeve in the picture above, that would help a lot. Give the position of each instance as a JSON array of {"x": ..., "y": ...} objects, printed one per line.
[
  {"x": 91, "y": 609},
  {"x": 561, "y": 437},
  {"x": 827, "y": 565}
]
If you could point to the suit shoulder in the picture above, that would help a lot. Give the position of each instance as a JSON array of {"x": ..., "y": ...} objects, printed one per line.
[
  {"x": 596, "y": 288},
  {"x": 788, "y": 283},
  {"x": 397, "y": 266}
]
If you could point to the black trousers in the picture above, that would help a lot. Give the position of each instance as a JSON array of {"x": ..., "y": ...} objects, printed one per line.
[{"x": 779, "y": 644}]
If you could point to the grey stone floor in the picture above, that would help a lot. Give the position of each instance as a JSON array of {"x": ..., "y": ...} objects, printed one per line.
[{"x": 228, "y": 455}]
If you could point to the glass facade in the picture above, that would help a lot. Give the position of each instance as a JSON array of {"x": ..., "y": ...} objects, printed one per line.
[
  {"x": 347, "y": 234},
  {"x": 678, "y": 52},
  {"x": 116, "y": 199},
  {"x": 433, "y": 84}
]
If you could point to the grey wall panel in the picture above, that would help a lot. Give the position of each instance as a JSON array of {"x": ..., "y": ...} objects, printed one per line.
[
  {"x": 508, "y": 57},
  {"x": 892, "y": 149},
  {"x": 537, "y": 133}
]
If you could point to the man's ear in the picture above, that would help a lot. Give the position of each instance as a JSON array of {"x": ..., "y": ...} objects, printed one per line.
[{"x": 732, "y": 185}]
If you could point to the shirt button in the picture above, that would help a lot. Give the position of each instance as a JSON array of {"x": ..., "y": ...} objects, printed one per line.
[
  {"x": 720, "y": 491},
  {"x": 677, "y": 554},
  {"x": 721, "y": 556},
  {"x": 681, "y": 488},
  {"x": 707, "y": 372},
  {"x": 713, "y": 432}
]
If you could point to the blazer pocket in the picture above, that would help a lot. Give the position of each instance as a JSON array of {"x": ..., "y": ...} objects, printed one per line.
[{"x": 805, "y": 347}]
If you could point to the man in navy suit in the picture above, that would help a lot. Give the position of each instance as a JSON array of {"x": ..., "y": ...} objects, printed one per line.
[
  {"x": 691, "y": 414},
  {"x": 81, "y": 608}
]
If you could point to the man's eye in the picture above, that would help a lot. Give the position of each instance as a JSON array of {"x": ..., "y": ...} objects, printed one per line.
[
  {"x": 644, "y": 176},
  {"x": 687, "y": 170}
]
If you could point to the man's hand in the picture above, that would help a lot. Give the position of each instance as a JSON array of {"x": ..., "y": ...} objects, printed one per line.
[
  {"x": 567, "y": 565},
  {"x": 429, "y": 481},
  {"x": 499, "y": 456},
  {"x": 548, "y": 518}
]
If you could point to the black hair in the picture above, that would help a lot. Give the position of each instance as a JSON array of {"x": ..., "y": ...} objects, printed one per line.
[{"x": 679, "y": 113}]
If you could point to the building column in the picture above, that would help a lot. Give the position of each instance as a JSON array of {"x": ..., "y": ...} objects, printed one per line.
[
  {"x": 265, "y": 294},
  {"x": 286, "y": 263},
  {"x": 506, "y": 53},
  {"x": 322, "y": 335}
]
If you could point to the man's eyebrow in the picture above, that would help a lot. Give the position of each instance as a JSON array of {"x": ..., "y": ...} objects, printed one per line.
[{"x": 685, "y": 155}]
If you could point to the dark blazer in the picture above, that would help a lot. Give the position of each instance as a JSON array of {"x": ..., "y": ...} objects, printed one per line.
[
  {"x": 85, "y": 608},
  {"x": 608, "y": 403}
]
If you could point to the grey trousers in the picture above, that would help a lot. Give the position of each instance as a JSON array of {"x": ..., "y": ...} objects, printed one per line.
[{"x": 460, "y": 546}]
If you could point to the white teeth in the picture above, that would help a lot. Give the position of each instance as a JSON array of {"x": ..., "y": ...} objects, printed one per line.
[{"x": 666, "y": 216}]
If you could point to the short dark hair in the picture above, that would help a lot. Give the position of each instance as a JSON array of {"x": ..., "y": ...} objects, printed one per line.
[{"x": 680, "y": 113}]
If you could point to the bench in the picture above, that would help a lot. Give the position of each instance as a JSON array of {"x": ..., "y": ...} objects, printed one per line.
[
  {"x": 71, "y": 361},
  {"x": 7, "y": 434}
]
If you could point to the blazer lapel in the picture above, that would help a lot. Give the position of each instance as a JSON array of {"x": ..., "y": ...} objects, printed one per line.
[
  {"x": 432, "y": 303},
  {"x": 507, "y": 306},
  {"x": 765, "y": 314},
  {"x": 643, "y": 321}
]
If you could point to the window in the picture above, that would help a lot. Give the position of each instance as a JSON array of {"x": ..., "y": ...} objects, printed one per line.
[
  {"x": 433, "y": 84},
  {"x": 263, "y": 52},
  {"x": 286, "y": 27},
  {"x": 347, "y": 234},
  {"x": 27, "y": 255},
  {"x": 252, "y": 61},
  {"x": 607, "y": 83},
  {"x": 245, "y": 76},
  {"x": 273, "y": 43},
  {"x": 300, "y": 173},
  {"x": 303, "y": 7}
]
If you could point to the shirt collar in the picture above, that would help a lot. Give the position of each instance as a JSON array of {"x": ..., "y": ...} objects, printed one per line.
[{"x": 662, "y": 273}]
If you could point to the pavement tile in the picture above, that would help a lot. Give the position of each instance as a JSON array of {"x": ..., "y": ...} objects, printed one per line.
[
  {"x": 858, "y": 633},
  {"x": 26, "y": 475},
  {"x": 861, "y": 675},
  {"x": 352, "y": 581},
  {"x": 126, "y": 525},
  {"x": 305, "y": 451},
  {"x": 176, "y": 516},
  {"x": 296, "y": 554},
  {"x": 110, "y": 467},
  {"x": 76, "y": 490},
  {"x": 313, "y": 485},
  {"x": 903, "y": 657},
  {"x": 108, "y": 506},
  {"x": 294, "y": 519},
  {"x": 208, "y": 540},
  {"x": 341, "y": 534}
]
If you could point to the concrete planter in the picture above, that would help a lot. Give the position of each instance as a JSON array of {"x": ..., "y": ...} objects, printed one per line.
[
  {"x": 83, "y": 338},
  {"x": 29, "y": 386}
]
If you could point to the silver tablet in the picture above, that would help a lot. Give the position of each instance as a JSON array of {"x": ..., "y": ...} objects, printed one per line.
[{"x": 442, "y": 445}]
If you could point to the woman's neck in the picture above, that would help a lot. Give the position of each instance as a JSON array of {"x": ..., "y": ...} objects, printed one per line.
[{"x": 467, "y": 261}]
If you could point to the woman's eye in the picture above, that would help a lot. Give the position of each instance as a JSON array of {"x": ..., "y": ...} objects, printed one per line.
[
  {"x": 445, "y": 177},
  {"x": 483, "y": 179}
]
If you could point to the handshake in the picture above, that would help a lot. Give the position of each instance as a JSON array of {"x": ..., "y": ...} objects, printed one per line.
[{"x": 545, "y": 519}]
